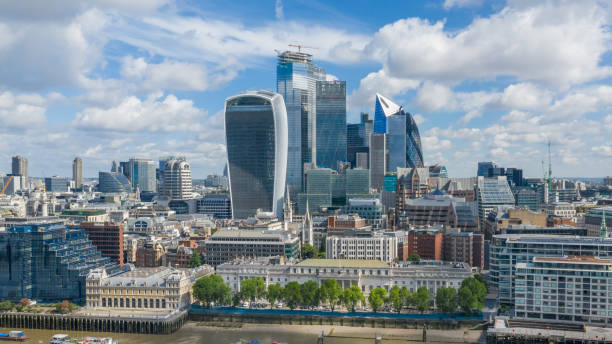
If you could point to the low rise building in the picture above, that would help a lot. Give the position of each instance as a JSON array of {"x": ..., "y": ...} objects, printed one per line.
[
  {"x": 77, "y": 216},
  {"x": 465, "y": 247},
  {"x": 561, "y": 209},
  {"x": 426, "y": 242},
  {"x": 142, "y": 289},
  {"x": 226, "y": 245},
  {"x": 375, "y": 247},
  {"x": 107, "y": 237},
  {"x": 366, "y": 274}
]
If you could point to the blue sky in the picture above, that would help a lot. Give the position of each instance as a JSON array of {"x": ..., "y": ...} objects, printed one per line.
[{"x": 486, "y": 80}]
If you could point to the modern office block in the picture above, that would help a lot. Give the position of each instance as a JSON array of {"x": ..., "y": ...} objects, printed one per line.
[
  {"x": 491, "y": 193},
  {"x": 106, "y": 237},
  {"x": 378, "y": 160},
  {"x": 257, "y": 143},
  {"x": 296, "y": 78},
  {"x": 507, "y": 250},
  {"x": 111, "y": 182},
  {"x": 226, "y": 245},
  {"x": 219, "y": 206},
  {"x": 45, "y": 261},
  {"x": 331, "y": 123},
  {"x": 142, "y": 174},
  {"x": 77, "y": 172},
  {"x": 56, "y": 184},
  {"x": 378, "y": 247},
  {"x": 358, "y": 141},
  {"x": 176, "y": 180}
]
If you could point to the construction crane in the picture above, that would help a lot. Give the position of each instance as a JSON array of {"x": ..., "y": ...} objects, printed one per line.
[
  {"x": 300, "y": 47},
  {"x": 549, "y": 181},
  {"x": 6, "y": 185}
]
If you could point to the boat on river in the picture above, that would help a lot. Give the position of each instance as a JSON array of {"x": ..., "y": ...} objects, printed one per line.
[{"x": 13, "y": 336}]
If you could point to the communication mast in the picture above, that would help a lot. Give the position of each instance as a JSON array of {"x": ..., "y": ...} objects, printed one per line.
[{"x": 549, "y": 181}]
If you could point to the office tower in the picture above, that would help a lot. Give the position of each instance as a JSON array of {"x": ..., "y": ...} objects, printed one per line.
[
  {"x": 331, "y": 123},
  {"x": 296, "y": 79},
  {"x": 77, "y": 172},
  {"x": 115, "y": 167},
  {"x": 483, "y": 168},
  {"x": 489, "y": 169},
  {"x": 176, "y": 178},
  {"x": 20, "y": 167},
  {"x": 56, "y": 184},
  {"x": 357, "y": 183},
  {"x": 124, "y": 169},
  {"x": 256, "y": 140},
  {"x": 141, "y": 173},
  {"x": 43, "y": 260},
  {"x": 378, "y": 161},
  {"x": 358, "y": 141},
  {"x": 361, "y": 160},
  {"x": 110, "y": 182},
  {"x": 403, "y": 139},
  {"x": 491, "y": 193}
]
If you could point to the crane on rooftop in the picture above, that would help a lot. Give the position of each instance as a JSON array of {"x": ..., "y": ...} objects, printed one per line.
[{"x": 300, "y": 47}]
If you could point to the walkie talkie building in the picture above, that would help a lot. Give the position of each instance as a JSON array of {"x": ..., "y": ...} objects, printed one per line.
[{"x": 256, "y": 138}]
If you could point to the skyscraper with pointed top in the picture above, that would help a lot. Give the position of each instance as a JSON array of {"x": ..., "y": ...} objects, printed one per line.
[{"x": 402, "y": 134}]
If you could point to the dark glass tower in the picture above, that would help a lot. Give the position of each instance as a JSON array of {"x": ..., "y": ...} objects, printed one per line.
[
  {"x": 403, "y": 139},
  {"x": 358, "y": 139},
  {"x": 256, "y": 139},
  {"x": 331, "y": 123}
]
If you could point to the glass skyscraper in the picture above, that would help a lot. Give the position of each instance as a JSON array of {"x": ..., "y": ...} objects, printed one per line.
[
  {"x": 113, "y": 182},
  {"x": 358, "y": 140},
  {"x": 256, "y": 139},
  {"x": 296, "y": 79},
  {"x": 142, "y": 174},
  {"x": 403, "y": 140},
  {"x": 331, "y": 123}
]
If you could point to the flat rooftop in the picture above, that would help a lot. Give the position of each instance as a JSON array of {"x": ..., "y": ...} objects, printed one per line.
[
  {"x": 574, "y": 259},
  {"x": 342, "y": 263}
]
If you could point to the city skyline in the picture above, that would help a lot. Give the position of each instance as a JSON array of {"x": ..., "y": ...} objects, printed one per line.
[{"x": 106, "y": 91}]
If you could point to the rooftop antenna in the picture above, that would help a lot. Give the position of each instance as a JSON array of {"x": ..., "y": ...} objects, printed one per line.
[{"x": 300, "y": 47}]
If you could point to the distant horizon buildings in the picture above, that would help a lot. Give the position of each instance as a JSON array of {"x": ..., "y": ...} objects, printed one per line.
[
  {"x": 20, "y": 167},
  {"x": 256, "y": 132},
  {"x": 77, "y": 172}
]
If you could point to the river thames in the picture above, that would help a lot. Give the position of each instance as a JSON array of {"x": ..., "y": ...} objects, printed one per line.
[{"x": 293, "y": 334}]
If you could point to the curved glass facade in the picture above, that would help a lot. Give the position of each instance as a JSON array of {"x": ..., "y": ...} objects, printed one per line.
[{"x": 256, "y": 138}]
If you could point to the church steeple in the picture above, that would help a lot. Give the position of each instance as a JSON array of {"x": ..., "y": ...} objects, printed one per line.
[{"x": 287, "y": 208}]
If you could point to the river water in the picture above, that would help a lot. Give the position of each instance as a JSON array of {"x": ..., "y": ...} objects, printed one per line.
[{"x": 193, "y": 333}]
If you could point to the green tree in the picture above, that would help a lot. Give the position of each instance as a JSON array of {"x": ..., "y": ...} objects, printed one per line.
[
  {"x": 293, "y": 295},
  {"x": 413, "y": 257},
  {"x": 481, "y": 279},
  {"x": 6, "y": 306},
  {"x": 446, "y": 299},
  {"x": 195, "y": 260},
  {"x": 395, "y": 298},
  {"x": 310, "y": 294},
  {"x": 210, "y": 289},
  {"x": 351, "y": 297},
  {"x": 330, "y": 292},
  {"x": 63, "y": 307},
  {"x": 472, "y": 294},
  {"x": 405, "y": 296},
  {"x": 422, "y": 299},
  {"x": 309, "y": 251},
  {"x": 275, "y": 293},
  {"x": 253, "y": 289},
  {"x": 236, "y": 299},
  {"x": 377, "y": 298}
]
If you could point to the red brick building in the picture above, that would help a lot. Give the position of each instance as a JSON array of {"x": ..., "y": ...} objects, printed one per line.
[
  {"x": 107, "y": 237},
  {"x": 426, "y": 243}
]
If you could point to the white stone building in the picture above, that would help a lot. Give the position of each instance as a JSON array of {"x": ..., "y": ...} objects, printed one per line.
[
  {"x": 377, "y": 247},
  {"x": 367, "y": 274}
]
